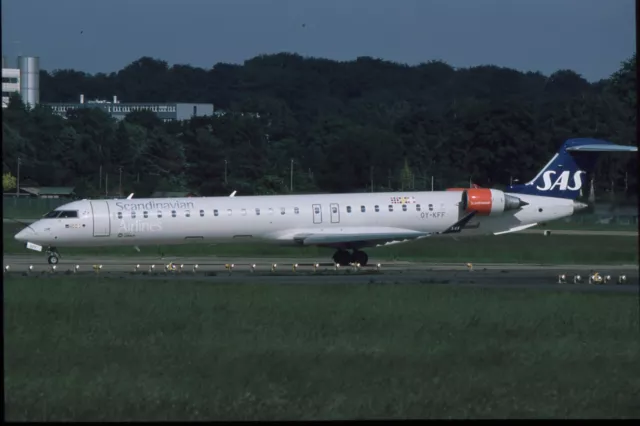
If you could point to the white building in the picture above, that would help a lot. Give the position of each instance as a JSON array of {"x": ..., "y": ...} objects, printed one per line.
[
  {"x": 10, "y": 82},
  {"x": 24, "y": 80}
]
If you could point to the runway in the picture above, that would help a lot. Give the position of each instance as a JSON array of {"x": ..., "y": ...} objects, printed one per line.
[{"x": 279, "y": 270}]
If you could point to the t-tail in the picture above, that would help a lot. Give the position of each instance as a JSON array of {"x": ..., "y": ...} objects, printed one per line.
[{"x": 567, "y": 171}]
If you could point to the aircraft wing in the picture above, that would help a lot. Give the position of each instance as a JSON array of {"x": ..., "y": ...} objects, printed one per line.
[{"x": 364, "y": 239}]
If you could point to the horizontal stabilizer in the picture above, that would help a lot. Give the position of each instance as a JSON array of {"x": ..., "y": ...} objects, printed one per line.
[
  {"x": 603, "y": 148},
  {"x": 568, "y": 170},
  {"x": 516, "y": 229}
]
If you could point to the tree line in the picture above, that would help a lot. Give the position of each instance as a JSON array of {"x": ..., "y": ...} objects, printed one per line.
[{"x": 318, "y": 126}]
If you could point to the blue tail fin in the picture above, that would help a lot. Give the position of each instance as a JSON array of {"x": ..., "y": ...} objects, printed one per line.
[{"x": 565, "y": 173}]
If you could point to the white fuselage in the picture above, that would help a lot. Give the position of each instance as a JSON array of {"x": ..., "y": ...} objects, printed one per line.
[{"x": 276, "y": 219}]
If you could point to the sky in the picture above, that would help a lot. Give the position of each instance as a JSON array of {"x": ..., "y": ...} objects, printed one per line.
[{"x": 591, "y": 37}]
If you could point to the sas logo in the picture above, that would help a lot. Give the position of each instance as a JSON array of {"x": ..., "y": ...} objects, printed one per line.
[{"x": 562, "y": 181}]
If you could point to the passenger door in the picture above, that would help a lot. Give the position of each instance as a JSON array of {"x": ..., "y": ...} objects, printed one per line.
[{"x": 101, "y": 219}]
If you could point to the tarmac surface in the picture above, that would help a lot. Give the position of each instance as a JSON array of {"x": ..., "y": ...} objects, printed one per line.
[{"x": 219, "y": 270}]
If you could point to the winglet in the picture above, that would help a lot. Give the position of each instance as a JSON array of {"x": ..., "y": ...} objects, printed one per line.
[
  {"x": 233, "y": 194},
  {"x": 130, "y": 196},
  {"x": 457, "y": 227}
]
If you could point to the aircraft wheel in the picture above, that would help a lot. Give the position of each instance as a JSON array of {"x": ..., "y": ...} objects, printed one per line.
[
  {"x": 342, "y": 257},
  {"x": 53, "y": 259},
  {"x": 360, "y": 257}
]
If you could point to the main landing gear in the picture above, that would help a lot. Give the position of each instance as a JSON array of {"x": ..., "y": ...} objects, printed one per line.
[
  {"x": 53, "y": 256},
  {"x": 343, "y": 257}
]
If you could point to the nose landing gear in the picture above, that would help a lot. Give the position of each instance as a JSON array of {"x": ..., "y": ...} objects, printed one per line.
[{"x": 53, "y": 256}]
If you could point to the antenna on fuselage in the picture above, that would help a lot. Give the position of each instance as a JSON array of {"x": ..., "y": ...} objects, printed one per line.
[
  {"x": 232, "y": 194},
  {"x": 130, "y": 196}
]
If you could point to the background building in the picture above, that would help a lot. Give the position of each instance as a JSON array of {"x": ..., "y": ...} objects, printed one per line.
[
  {"x": 24, "y": 80},
  {"x": 168, "y": 111}
]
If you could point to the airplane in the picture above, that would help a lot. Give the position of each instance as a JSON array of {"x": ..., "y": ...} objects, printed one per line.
[{"x": 344, "y": 222}]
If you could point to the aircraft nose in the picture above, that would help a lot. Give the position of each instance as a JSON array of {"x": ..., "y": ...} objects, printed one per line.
[{"x": 23, "y": 235}]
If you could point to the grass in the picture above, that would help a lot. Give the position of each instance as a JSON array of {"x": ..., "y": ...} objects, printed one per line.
[
  {"x": 109, "y": 350},
  {"x": 521, "y": 248}
]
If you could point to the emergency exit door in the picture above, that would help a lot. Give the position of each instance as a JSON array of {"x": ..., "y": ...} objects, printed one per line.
[
  {"x": 101, "y": 219},
  {"x": 335, "y": 213},
  {"x": 317, "y": 213}
]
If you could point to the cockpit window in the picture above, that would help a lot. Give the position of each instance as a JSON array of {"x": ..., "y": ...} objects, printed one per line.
[
  {"x": 61, "y": 214},
  {"x": 68, "y": 214}
]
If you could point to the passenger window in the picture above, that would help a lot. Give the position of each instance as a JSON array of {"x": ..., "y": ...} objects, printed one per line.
[
  {"x": 417, "y": 207},
  {"x": 296, "y": 210},
  {"x": 257, "y": 212},
  {"x": 119, "y": 215},
  {"x": 145, "y": 214},
  {"x": 404, "y": 207},
  {"x": 187, "y": 213},
  {"x": 362, "y": 209},
  {"x": 215, "y": 212},
  {"x": 281, "y": 210},
  {"x": 348, "y": 209},
  {"x": 377, "y": 208},
  {"x": 390, "y": 207},
  {"x": 201, "y": 213},
  {"x": 244, "y": 212},
  {"x": 334, "y": 209},
  {"x": 173, "y": 213},
  {"x": 159, "y": 213},
  {"x": 133, "y": 215},
  {"x": 228, "y": 212},
  {"x": 317, "y": 210},
  {"x": 430, "y": 207}
]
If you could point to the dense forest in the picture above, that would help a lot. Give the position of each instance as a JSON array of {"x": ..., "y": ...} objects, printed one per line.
[{"x": 321, "y": 126}]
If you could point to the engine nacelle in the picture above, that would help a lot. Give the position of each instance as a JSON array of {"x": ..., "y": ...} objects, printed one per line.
[{"x": 489, "y": 202}]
